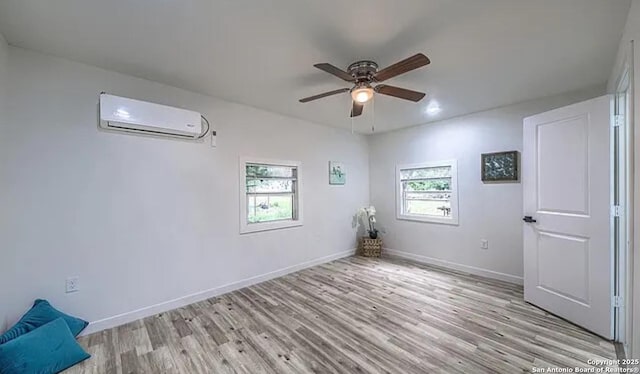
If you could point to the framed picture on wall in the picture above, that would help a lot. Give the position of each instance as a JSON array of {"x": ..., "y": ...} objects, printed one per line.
[
  {"x": 500, "y": 167},
  {"x": 337, "y": 173}
]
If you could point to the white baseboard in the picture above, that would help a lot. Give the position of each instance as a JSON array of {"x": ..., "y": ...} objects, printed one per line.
[
  {"x": 455, "y": 266},
  {"x": 134, "y": 315}
]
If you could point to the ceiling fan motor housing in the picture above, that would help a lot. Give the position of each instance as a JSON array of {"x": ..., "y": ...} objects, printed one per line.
[{"x": 363, "y": 71}]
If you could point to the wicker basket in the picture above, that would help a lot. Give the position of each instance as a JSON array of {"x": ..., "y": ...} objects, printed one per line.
[{"x": 370, "y": 247}]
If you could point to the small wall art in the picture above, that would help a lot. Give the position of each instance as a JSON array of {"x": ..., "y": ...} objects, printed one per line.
[
  {"x": 337, "y": 173},
  {"x": 500, "y": 167}
]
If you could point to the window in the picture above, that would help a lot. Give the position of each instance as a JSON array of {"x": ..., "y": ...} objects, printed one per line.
[
  {"x": 428, "y": 192},
  {"x": 270, "y": 196}
]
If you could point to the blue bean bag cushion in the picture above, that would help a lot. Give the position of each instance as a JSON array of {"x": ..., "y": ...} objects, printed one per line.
[
  {"x": 48, "y": 349},
  {"x": 40, "y": 314}
]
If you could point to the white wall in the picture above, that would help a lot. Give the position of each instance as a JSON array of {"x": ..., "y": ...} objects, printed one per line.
[
  {"x": 4, "y": 77},
  {"x": 143, "y": 220},
  {"x": 486, "y": 211},
  {"x": 4, "y": 59},
  {"x": 631, "y": 55}
]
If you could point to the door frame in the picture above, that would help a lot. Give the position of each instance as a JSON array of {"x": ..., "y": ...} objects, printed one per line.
[
  {"x": 623, "y": 184},
  {"x": 619, "y": 189}
]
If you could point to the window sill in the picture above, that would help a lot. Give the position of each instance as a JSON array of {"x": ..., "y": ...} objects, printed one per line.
[
  {"x": 441, "y": 221},
  {"x": 247, "y": 228}
]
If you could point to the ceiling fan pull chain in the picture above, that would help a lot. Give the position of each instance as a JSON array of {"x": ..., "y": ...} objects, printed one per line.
[
  {"x": 373, "y": 115},
  {"x": 350, "y": 108}
]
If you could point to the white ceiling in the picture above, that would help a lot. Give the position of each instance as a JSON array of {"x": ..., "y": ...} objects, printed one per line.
[{"x": 484, "y": 53}]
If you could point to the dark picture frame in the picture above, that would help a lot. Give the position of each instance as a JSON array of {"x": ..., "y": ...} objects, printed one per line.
[{"x": 500, "y": 167}]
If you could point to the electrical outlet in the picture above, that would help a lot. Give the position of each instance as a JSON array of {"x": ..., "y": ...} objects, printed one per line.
[
  {"x": 73, "y": 284},
  {"x": 484, "y": 244}
]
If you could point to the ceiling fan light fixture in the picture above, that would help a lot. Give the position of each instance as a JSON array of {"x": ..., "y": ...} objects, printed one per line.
[{"x": 362, "y": 94}]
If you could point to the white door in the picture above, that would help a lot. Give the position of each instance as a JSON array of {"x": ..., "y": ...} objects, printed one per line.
[{"x": 566, "y": 177}]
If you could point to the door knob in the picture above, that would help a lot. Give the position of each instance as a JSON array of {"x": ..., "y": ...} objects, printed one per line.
[{"x": 529, "y": 219}]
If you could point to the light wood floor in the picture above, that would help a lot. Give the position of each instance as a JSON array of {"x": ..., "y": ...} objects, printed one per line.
[{"x": 354, "y": 315}]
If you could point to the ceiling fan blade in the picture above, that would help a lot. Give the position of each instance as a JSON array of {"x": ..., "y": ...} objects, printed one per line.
[
  {"x": 398, "y": 92},
  {"x": 406, "y": 65},
  {"x": 335, "y": 71},
  {"x": 357, "y": 109},
  {"x": 320, "y": 96}
]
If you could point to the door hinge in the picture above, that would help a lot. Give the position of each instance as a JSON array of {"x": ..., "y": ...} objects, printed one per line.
[
  {"x": 618, "y": 120},
  {"x": 616, "y": 211},
  {"x": 618, "y": 301}
]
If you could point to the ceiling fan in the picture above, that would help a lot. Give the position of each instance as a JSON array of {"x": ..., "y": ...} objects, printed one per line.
[{"x": 364, "y": 73}]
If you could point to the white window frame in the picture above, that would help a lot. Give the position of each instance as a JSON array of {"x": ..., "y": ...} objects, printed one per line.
[
  {"x": 245, "y": 226},
  {"x": 453, "y": 220}
]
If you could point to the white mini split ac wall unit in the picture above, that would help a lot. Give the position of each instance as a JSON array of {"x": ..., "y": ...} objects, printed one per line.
[{"x": 122, "y": 114}]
